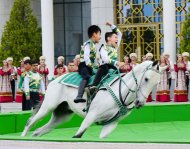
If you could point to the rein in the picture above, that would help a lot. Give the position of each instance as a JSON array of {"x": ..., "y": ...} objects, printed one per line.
[{"x": 123, "y": 110}]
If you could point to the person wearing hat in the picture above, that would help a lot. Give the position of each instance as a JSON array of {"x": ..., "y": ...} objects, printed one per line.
[
  {"x": 185, "y": 56},
  {"x": 27, "y": 68},
  {"x": 171, "y": 74},
  {"x": 20, "y": 70},
  {"x": 162, "y": 90},
  {"x": 133, "y": 57},
  {"x": 13, "y": 76},
  {"x": 77, "y": 60},
  {"x": 26, "y": 58},
  {"x": 60, "y": 61},
  {"x": 33, "y": 85},
  {"x": 180, "y": 92},
  {"x": 5, "y": 86},
  {"x": 149, "y": 56},
  {"x": 43, "y": 70}
]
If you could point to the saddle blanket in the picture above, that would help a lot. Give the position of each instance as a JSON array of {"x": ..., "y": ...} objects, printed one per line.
[{"x": 73, "y": 79}]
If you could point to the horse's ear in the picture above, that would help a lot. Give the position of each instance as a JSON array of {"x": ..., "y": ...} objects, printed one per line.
[{"x": 154, "y": 63}]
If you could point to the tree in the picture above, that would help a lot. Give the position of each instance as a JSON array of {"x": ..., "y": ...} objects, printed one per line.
[
  {"x": 185, "y": 35},
  {"x": 21, "y": 36}
]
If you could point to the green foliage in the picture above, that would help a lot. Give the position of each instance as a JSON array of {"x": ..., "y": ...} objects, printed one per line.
[
  {"x": 185, "y": 35},
  {"x": 21, "y": 36}
]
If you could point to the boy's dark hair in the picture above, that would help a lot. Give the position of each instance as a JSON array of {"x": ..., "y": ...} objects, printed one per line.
[
  {"x": 109, "y": 34},
  {"x": 27, "y": 62},
  {"x": 59, "y": 65},
  {"x": 34, "y": 62},
  {"x": 71, "y": 61},
  {"x": 93, "y": 29}
]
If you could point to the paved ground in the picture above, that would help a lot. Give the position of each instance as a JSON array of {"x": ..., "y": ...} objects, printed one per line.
[
  {"x": 85, "y": 145},
  {"x": 10, "y": 107},
  {"x": 13, "y": 107}
]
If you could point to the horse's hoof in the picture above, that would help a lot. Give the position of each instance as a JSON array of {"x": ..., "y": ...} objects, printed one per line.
[
  {"x": 35, "y": 134},
  {"x": 23, "y": 134},
  {"x": 76, "y": 137}
]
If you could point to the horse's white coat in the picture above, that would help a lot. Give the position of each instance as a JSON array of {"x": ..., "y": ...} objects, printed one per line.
[{"x": 103, "y": 106}]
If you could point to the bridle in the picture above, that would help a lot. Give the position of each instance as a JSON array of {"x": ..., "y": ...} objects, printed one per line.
[
  {"x": 138, "y": 85},
  {"x": 123, "y": 107}
]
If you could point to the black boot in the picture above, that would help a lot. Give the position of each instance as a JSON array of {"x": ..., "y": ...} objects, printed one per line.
[{"x": 81, "y": 92}]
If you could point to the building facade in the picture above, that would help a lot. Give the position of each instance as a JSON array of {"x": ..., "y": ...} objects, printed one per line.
[{"x": 147, "y": 25}]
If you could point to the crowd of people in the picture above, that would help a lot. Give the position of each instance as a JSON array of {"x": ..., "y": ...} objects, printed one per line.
[
  {"x": 174, "y": 81},
  {"x": 28, "y": 82},
  {"x": 16, "y": 83}
]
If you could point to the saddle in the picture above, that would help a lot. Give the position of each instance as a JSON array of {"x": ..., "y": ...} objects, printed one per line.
[{"x": 73, "y": 79}]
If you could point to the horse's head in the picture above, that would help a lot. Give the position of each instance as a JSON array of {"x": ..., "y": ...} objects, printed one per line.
[{"x": 150, "y": 76}]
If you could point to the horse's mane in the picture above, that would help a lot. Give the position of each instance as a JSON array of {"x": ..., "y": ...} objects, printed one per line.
[{"x": 142, "y": 66}]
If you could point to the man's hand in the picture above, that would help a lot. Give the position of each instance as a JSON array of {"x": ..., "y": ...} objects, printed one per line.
[
  {"x": 108, "y": 24},
  {"x": 120, "y": 64}
]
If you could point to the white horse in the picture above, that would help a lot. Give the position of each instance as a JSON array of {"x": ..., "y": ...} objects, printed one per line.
[{"x": 134, "y": 89}]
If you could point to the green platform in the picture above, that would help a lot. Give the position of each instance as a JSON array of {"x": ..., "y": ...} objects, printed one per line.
[{"x": 168, "y": 123}]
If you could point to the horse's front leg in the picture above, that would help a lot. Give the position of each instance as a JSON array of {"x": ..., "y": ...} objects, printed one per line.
[{"x": 89, "y": 119}]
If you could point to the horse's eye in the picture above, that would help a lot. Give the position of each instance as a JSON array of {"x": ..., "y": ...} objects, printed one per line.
[{"x": 146, "y": 79}]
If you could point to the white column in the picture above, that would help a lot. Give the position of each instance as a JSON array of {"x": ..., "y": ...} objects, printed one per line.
[
  {"x": 48, "y": 34},
  {"x": 169, "y": 26},
  {"x": 102, "y": 11}
]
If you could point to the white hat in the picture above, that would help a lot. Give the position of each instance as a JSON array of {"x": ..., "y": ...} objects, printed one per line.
[
  {"x": 42, "y": 58},
  {"x": 26, "y": 58},
  {"x": 165, "y": 53},
  {"x": 185, "y": 54},
  {"x": 10, "y": 59},
  {"x": 60, "y": 58},
  {"x": 133, "y": 54},
  {"x": 149, "y": 54},
  {"x": 77, "y": 56}
]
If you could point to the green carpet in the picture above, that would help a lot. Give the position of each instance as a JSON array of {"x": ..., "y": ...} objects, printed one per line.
[{"x": 163, "y": 132}]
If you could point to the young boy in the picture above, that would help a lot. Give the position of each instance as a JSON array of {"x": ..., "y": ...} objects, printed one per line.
[
  {"x": 87, "y": 59},
  {"x": 108, "y": 54},
  {"x": 33, "y": 84}
]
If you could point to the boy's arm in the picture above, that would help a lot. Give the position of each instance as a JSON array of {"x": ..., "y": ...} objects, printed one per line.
[
  {"x": 115, "y": 29},
  {"x": 26, "y": 87},
  {"x": 87, "y": 55}
]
